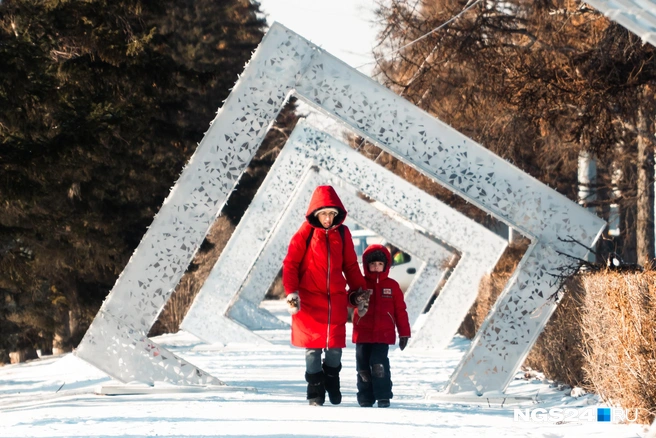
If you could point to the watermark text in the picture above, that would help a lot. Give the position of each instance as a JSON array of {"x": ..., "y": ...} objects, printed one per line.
[{"x": 565, "y": 415}]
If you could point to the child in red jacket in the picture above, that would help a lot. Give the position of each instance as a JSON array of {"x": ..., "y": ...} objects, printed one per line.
[
  {"x": 320, "y": 262},
  {"x": 374, "y": 328}
]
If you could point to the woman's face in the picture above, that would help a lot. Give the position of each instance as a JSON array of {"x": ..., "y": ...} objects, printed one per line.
[{"x": 326, "y": 218}]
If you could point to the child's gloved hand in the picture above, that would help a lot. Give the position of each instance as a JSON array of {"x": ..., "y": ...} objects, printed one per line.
[
  {"x": 360, "y": 298},
  {"x": 360, "y": 295},
  {"x": 293, "y": 303},
  {"x": 363, "y": 306},
  {"x": 403, "y": 342}
]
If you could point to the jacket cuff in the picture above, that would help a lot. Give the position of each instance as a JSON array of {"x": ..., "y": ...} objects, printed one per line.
[{"x": 351, "y": 299}]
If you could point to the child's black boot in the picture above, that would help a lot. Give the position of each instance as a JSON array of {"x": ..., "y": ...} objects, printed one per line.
[
  {"x": 383, "y": 403},
  {"x": 365, "y": 389}
]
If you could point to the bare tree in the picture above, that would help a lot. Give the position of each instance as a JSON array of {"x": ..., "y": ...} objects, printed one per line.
[
  {"x": 645, "y": 183},
  {"x": 536, "y": 82}
]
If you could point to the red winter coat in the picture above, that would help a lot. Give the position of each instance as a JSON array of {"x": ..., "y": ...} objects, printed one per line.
[
  {"x": 387, "y": 309},
  {"x": 317, "y": 271}
]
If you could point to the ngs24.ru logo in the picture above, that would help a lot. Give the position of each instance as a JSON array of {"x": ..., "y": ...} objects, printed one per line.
[{"x": 556, "y": 415}]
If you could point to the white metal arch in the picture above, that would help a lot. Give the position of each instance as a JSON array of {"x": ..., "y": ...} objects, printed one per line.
[{"x": 286, "y": 63}]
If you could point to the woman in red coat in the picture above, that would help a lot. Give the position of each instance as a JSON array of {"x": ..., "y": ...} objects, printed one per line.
[
  {"x": 320, "y": 255},
  {"x": 374, "y": 328}
]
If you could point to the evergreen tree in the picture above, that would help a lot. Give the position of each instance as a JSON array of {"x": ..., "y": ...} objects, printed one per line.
[{"x": 101, "y": 104}]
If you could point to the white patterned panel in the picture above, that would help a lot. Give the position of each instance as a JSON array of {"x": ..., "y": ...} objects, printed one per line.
[
  {"x": 266, "y": 265},
  {"x": 269, "y": 261},
  {"x": 481, "y": 177},
  {"x": 241, "y": 251},
  {"x": 254, "y": 317},
  {"x": 447, "y": 156},
  {"x": 435, "y": 257},
  {"x": 548, "y": 218},
  {"x": 177, "y": 231},
  {"x": 128, "y": 356},
  {"x": 306, "y": 147},
  {"x": 480, "y": 248},
  {"x": 516, "y": 320}
]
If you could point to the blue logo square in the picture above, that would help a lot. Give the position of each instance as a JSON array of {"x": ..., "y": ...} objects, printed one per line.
[{"x": 603, "y": 414}]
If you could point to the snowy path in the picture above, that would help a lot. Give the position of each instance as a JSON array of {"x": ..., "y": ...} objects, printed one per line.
[{"x": 31, "y": 406}]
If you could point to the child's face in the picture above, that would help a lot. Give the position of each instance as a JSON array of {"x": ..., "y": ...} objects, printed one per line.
[
  {"x": 326, "y": 218},
  {"x": 376, "y": 267}
]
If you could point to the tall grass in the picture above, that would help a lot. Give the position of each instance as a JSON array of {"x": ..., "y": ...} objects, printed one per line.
[
  {"x": 601, "y": 337},
  {"x": 618, "y": 320}
]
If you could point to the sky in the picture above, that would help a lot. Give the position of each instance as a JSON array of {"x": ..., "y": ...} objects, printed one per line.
[
  {"x": 344, "y": 28},
  {"x": 265, "y": 397}
]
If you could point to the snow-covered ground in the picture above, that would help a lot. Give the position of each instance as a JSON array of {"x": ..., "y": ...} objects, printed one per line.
[{"x": 55, "y": 397}]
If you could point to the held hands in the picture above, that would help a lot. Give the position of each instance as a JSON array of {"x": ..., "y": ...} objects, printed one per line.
[
  {"x": 403, "y": 341},
  {"x": 361, "y": 300},
  {"x": 293, "y": 303}
]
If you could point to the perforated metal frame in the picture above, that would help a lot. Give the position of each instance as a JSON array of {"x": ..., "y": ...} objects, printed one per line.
[
  {"x": 286, "y": 63},
  {"x": 435, "y": 258},
  {"x": 480, "y": 248}
]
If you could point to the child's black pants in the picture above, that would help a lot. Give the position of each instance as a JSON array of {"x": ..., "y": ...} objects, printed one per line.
[{"x": 374, "y": 377}]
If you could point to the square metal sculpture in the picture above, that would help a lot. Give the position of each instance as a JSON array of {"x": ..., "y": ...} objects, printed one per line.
[
  {"x": 285, "y": 63},
  {"x": 254, "y": 237},
  {"x": 435, "y": 257}
]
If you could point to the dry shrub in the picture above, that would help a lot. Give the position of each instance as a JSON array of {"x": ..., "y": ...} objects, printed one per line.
[
  {"x": 277, "y": 290},
  {"x": 176, "y": 308},
  {"x": 558, "y": 350},
  {"x": 491, "y": 287},
  {"x": 619, "y": 334},
  {"x": 22, "y": 355}
]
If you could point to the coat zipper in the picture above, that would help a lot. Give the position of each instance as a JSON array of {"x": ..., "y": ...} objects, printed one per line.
[
  {"x": 328, "y": 290},
  {"x": 376, "y": 289}
]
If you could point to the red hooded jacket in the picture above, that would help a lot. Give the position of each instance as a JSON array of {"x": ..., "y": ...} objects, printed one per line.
[
  {"x": 387, "y": 309},
  {"x": 316, "y": 272}
]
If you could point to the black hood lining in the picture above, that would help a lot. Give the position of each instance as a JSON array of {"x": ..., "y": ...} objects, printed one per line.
[{"x": 314, "y": 221}]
